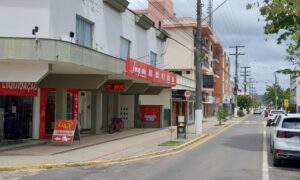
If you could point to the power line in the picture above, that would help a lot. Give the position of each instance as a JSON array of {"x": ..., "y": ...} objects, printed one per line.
[{"x": 245, "y": 73}]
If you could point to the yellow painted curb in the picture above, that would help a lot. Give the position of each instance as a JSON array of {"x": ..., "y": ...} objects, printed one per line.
[{"x": 188, "y": 145}]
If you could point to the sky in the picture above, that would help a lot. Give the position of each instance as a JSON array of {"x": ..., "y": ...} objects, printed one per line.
[{"x": 234, "y": 25}]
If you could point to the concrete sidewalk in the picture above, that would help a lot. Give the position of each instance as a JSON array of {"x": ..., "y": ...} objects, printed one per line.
[{"x": 102, "y": 147}]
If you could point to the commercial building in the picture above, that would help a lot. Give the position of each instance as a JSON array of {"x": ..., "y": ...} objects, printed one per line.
[
  {"x": 79, "y": 59},
  {"x": 179, "y": 59}
]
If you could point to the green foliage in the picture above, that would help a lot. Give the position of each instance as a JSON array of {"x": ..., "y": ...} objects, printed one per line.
[
  {"x": 244, "y": 102},
  {"x": 282, "y": 17},
  {"x": 222, "y": 114},
  {"x": 269, "y": 97},
  {"x": 240, "y": 113}
]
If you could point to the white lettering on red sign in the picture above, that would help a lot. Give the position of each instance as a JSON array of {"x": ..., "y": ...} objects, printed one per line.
[{"x": 24, "y": 86}]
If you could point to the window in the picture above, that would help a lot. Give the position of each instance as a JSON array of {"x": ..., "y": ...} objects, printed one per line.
[
  {"x": 84, "y": 32},
  {"x": 153, "y": 59},
  {"x": 188, "y": 72},
  {"x": 125, "y": 48},
  {"x": 291, "y": 123}
]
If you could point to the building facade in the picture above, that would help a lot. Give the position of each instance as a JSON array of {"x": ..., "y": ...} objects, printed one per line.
[
  {"x": 79, "y": 59},
  {"x": 179, "y": 59}
]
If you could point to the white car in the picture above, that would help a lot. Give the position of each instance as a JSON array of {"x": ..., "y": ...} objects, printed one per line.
[
  {"x": 285, "y": 138},
  {"x": 273, "y": 113}
]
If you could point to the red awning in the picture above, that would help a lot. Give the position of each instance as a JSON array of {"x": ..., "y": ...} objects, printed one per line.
[{"x": 18, "y": 89}]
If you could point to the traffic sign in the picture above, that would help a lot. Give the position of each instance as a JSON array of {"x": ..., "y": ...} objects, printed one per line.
[
  {"x": 286, "y": 103},
  {"x": 187, "y": 94}
]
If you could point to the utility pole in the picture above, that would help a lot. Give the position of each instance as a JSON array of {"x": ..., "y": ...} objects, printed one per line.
[
  {"x": 236, "y": 54},
  {"x": 210, "y": 13},
  {"x": 250, "y": 86},
  {"x": 245, "y": 74},
  {"x": 198, "y": 73},
  {"x": 275, "y": 89}
]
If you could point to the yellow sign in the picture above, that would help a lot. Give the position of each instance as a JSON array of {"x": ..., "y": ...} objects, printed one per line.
[{"x": 286, "y": 103}]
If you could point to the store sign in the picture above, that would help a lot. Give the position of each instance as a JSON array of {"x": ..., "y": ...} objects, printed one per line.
[
  {"x": 137, "y": 69},
  {"x": 64, "y": 131},
  {"x": 150, "y": 113},
  {"x": 114, "y": 86},
  {"x": 18, "y": 88}
]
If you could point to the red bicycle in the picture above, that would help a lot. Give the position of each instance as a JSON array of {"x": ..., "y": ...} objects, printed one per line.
[{"x": 116, "y": 124}]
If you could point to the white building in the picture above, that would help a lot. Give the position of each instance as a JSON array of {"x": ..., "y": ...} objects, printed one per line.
[{"x": 77, "y": 59}]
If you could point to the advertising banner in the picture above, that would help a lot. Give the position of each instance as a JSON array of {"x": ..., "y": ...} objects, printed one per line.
[
  {"x": 137, "y": 69},
  {"x": 18, "y": 88},
  {"x": 150, "y": 113},
  {"x": 64, "y": 131}
]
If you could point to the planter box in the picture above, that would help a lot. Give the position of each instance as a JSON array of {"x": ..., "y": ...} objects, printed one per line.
[{"x": 119, "y": 5}]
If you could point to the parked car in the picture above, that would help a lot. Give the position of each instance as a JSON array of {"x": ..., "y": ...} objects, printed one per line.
[
  {"x": 270, "y": 121},
  {"x": 257, "y": 111},
  {"x": 285, "y": 138},
  {"x": 273, "y": 113}
]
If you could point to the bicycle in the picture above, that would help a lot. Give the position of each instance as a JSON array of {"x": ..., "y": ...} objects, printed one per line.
[{"x": 116, "y": 124}]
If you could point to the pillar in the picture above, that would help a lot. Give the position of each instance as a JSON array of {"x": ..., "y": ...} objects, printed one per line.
[
  {"x": 61, "y": 103},
  {"x": 96, "y": 109},
  {"x": 36, "y": 117}
]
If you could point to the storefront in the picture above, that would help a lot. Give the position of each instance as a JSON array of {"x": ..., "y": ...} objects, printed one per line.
[
  {"x": 183, "y": 104},
  {"x": 16, "y": 109},
  {"x": 48, "y": 111}
]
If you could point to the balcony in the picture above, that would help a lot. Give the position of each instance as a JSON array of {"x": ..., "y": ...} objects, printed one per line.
[
  {"x": 216, "y": 73},
  {"x": 119, "y": 5},
  {"x": 185, "y": 82},
  {"x": 216, "y": 58}
]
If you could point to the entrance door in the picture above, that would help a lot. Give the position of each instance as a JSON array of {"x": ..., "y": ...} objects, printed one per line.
[{"x": 50, "y": 112}]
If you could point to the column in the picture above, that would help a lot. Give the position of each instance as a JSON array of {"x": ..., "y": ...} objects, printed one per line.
[
  {"x": 61, "y": 103},
  {"x": 96, "y": 109},
  {"x": 36, "y": 117}
]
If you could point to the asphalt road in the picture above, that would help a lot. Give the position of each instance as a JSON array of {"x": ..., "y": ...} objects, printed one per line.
[{"x": 235, "y": 154}]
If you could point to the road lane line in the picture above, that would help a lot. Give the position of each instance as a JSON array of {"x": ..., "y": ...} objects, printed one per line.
[{"x": 265, "y": 165}]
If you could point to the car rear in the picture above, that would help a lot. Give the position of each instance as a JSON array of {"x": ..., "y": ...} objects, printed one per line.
[{"x": 287, "y": 139}]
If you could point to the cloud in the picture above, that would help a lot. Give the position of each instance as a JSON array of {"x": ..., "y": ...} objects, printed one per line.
[{"x": 234, "y": 25}]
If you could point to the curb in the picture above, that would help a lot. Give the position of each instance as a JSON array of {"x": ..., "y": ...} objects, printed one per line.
[
  {"x": 170, "y": 151},
  {"x": 161, "y": 153}
]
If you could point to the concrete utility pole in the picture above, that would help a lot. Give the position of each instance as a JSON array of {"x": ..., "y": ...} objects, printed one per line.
[
  {"x": 210, "y": 13},
  {"x": 236, "y": 54},
  {"x": 245, "y": 73},
  {"x": 198, "y": 73},
  {"x": 250, "y": 86},
  {"x": 275, "y": 89}
]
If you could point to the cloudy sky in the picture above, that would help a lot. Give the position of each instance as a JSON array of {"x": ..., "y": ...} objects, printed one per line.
[{"x": 234, "y": 25}]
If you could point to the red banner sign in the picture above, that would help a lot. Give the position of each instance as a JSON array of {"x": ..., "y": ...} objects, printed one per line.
[
  {"x": 114, "y": 86},
  {"x": 150, "y": 113},
  {"x": 64, "y": 131},
  {"x": 18, "y": 89},
  {"x": 144, "y": 71}
]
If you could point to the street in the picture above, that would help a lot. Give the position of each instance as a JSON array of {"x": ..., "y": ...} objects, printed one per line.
[{"x": 236, "y": 153}]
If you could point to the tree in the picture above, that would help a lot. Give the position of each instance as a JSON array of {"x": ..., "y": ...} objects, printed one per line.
[
  {"x": 222, "y": 113},
  {"x": 269, "y": 97},
  {"x": 282, "y": 17},
  {"x": 244, "y": 102}
]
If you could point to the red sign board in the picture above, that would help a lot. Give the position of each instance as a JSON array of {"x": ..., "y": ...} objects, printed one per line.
[
  {"x": 18, "y": 88},
  {"x": 64, "y": 131},
  {"x": 114, "y": 86},
  {"x": 144, "y": 71},
  {"x": 150, "y": 113}
]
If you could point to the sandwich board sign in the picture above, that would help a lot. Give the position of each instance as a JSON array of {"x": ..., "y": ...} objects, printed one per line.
[{"x": 64, "y": 131}]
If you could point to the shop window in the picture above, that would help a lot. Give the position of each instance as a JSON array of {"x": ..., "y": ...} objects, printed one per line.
[
  {"x": 125, "y": 48},
  {"x": 153, "y": 59},
  {"x": 84, "y": 32},
  {"x": 69, "y": 105}
]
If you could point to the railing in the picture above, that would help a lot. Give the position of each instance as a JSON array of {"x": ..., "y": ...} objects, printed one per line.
[{"x": 184, "y": 81}]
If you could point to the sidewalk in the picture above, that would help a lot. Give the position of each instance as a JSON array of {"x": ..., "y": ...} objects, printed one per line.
[{"x": 102, "y": 147}]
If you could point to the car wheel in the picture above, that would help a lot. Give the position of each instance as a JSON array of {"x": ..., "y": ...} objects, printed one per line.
[{"x": 276, "y": 161}]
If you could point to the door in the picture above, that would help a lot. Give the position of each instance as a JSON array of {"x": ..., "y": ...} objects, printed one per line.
[{"x": 1, "y": 124}]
